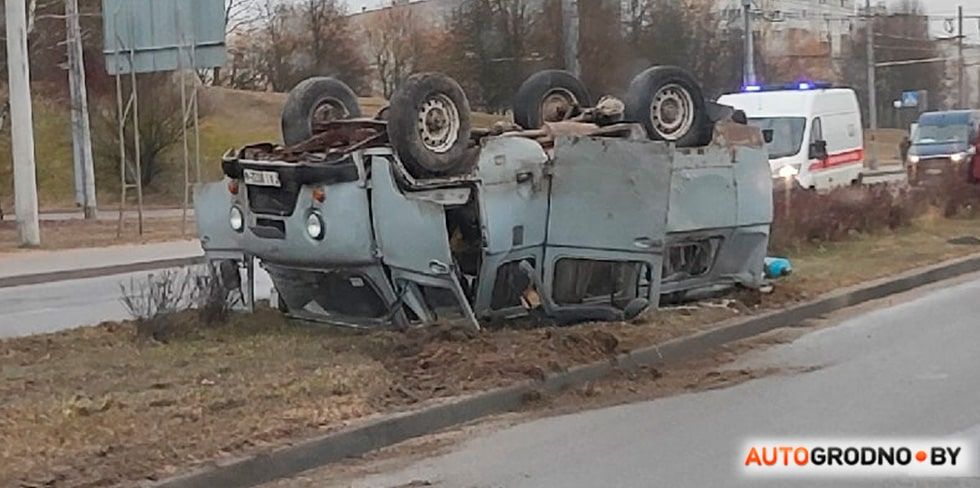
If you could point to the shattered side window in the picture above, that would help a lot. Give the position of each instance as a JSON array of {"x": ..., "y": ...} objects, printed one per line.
[
  {"x": 584, "y": 280},
  {"x": 442, "y": 302},
  {"x": 348, "y": 294},
  {"x": 510, "y": 284}
]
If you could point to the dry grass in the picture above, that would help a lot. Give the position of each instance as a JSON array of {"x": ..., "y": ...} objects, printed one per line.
[
  {"x": 829, "y": 266},
  {"x": 70, "y": 234},
  {"x": 97, "y": 406},
  {"x": 94, "y": 407}
]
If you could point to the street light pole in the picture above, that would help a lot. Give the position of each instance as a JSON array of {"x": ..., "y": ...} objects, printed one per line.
[
  {"x": 872, "y": 82},
  {"x": 570, "y": 34},
  {"x": 960, "y": 36},
  {"x": 81, "y": 129},
  {"x": 21, "y": 125},
  {"x": 749, "y": 70}
]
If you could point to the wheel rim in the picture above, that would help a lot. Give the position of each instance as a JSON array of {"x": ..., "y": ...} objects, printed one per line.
[
  {"x": 439, "y": 123},
  {"x": 672, "y": 112},
  {"x": 328, "y": 110},
  {"x": 557, "y": 105}
]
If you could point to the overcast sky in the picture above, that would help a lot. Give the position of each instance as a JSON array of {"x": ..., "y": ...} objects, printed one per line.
[{"x": 933, "y": 7}]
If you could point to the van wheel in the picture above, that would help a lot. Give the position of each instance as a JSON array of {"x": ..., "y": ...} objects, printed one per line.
[
  {"x": 316, "y": 101},
  {"x": 549, "y": 96},
  {"x": 429, "y": 126},
  {"x": 669, "y": 103}
]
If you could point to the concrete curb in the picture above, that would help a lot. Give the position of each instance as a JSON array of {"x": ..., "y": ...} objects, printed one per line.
[
  {"x": 78, "y": 274},
  {"x": 358, "y": 440}
]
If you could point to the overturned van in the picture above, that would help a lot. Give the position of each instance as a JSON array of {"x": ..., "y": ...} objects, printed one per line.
[{"x": 576, "y": 216}]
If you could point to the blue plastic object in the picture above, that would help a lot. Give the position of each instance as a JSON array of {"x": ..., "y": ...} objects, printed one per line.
[{"x": 777, "y": 267}]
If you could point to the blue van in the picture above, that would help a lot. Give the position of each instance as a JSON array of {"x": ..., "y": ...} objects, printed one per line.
[{"x": 945, "y": 144}]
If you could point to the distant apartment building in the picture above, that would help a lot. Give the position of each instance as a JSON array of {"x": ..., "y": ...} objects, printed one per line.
[
  {"x": 971, "y": 76},
  {"x": 435, "y": 11},
  {"x": 797, "y": 39}
]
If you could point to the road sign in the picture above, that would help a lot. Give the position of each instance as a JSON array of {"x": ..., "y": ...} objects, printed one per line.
[
  {"x": 910, "y": 99},
  {"x": 147, "y": 36}
]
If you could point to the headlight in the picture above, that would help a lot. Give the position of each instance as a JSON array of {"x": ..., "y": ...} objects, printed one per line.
[
  {"x": 314, "y": 226},
  {"x": 914, "y": 159},
  {"x": 788, "y": 172},
  {"x": 236, "y": 219},
  {"x": 958, "y": 157}
]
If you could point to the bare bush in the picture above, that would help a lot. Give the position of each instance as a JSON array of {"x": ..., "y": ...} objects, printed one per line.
[
  {"x": 158, "y": 302},
  {"x": 805, "y": 216},
  {"x": 809, "y": 216},
  {"x": 215, "y": 293},
  {"x": 161, "y": 129},
  {"x": 154, "y": 301}
]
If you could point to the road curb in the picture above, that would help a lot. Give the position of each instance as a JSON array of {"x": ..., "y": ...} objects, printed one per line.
[
  {"x": 369, "y": 436},
  {"x": 78, "y": 274}
]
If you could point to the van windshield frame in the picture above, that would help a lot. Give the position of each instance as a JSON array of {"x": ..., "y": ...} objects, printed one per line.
[{"x": 788, "y": 134}]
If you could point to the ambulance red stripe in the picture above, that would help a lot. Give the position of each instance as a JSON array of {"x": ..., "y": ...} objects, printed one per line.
[{"x": 838, "y": 159}]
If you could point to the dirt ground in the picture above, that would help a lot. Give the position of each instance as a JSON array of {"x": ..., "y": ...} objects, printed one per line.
[
  {"x": 70, "y": 234},
  {"x": 714, "y": 371},
  {"x": 100, "y": 406}
]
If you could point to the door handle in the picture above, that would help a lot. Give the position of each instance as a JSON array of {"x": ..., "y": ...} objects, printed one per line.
[{"x": 644, "y": 242}]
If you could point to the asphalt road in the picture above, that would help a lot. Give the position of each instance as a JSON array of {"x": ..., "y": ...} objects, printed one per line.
[
  {"x": 50, "y": 307},
  {"x": 909, "y": 370}
]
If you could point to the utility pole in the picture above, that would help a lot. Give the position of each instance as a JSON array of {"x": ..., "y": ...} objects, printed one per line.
[
  {"x": 570, "y": 34},
  {"x": 960, "y": 35},
  {"x": 21, "y": 125},
  {"x": 81, "y": 129},
  {"x": 872, "y": 82},
  {"x": 749, "y": 77}
]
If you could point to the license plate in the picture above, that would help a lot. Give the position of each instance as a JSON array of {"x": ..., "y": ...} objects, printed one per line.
[
  {"x": 934, "y": 171},
  {"x": 261, "y": 178}
]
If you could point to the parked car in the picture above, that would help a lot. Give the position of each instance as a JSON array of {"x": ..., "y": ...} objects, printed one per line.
[
  {"x": 945, "y": 144},
  {"x": 815, "y": 133},
  {"x": 575, "y": 215}
]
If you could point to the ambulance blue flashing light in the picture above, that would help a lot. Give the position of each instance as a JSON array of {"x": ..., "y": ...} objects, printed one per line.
[{"x": 797, "y": 86}]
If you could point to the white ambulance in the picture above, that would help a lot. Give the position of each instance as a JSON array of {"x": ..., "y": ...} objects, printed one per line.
[{"x": 816, "y": 134}]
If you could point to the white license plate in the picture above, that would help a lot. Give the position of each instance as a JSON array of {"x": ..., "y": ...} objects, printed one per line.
[{"x": 261, "y": 178}]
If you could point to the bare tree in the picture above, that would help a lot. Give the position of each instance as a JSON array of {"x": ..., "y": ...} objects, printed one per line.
[
  {"x": 683, "y": 33},
  {"x": 272, "y": 43},
  {"x": 240, "y": 19},
  {"x": 486, "y": 48},
  {"x": 308, "y": 38},
  {"x": 396, "y": 41}
]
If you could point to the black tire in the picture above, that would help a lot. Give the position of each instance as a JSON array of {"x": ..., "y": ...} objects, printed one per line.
[
  {"x": 549, "y": 96},
  {"x": 429, "y": 126},
  {"x": 674, "y": 95},
  {"x": 317, "y": 99}
]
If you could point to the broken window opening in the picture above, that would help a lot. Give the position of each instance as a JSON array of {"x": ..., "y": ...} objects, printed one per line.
[
  {"x": 690, "y": 259},
  {"x": 465, "y": 233},
  {"x": 442, "y": 303},
  {"x": 580, "y": 281},
  {"x": 510, "y": 284},
  {"x": 347, "y": 294}
]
